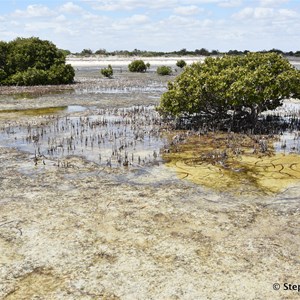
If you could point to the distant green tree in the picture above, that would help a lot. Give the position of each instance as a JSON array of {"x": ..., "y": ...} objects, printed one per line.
[
  {"x": 182, "y": 51},
  {"x": 107, "y": 72},
  {"x": 164, "y": 70},
  {"x": 202, "y": 51},
  {"x": 148, "y": 65},
  {"x": 290, "y": 53},
  {"x": 215, "y": 52},
  {"x": 234, "y": 52},
  {"x": 86, "y": 52},
  {"x": 276, "y": 51},
  {"x": 31, "y": 61},
  {"x": 101, "y": 52},
  {"x": 136, "y": 52},
  {"x": 181, "y": 63},
  {"x": 137, "y": 66}
]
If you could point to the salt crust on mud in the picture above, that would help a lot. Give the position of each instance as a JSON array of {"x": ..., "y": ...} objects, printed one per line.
[
  {"x": 102, "y": 61},
  {"x": 85, "y": 232},
  {"x": 124, "y": 61}
]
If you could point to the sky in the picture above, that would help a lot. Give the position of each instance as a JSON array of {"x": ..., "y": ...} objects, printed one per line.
[{"x": 155, "y": 25}]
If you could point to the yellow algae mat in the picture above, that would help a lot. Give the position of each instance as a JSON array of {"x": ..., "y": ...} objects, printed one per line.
[{"x": 241, "y": 163}]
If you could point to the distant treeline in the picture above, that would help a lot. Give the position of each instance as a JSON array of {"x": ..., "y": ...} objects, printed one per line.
[{"x": 182, "y": 52}]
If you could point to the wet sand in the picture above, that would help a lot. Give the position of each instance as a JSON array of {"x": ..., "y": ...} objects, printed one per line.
[{"x": 85, "y": 231}]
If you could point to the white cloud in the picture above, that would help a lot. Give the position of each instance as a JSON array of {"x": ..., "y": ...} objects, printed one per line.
[
  {"x": 70, "y": 7},
  {"x": 243, "y": 14},
  {"x": 136, "y": 19},
  {"x": 263, "y": 13},
  {"x": 130, "y": 22},
  {"x": 61, "y": 18},
  {"x": 87, "y": 16},
  {"x": 272, "y": 3},
  {"x": 158, "y": 25},
  {"x": 35, "y": 10},
  {"x": 35, "y": 27},
  {"x": 288, "y": 13},
  {"x": 15, "y": 23},
  {"x": 109, "y": 7},
  {"x": 188, "y": 10},
  {"x": 112, "y": 5},
  {"x": 230, "y": 3},
  {"x": 179, "y": 21},
  {"x": 254, "y": 13}
]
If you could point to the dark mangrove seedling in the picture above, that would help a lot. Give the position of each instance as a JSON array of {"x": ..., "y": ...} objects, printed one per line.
[{"x": 107, "y": 72}]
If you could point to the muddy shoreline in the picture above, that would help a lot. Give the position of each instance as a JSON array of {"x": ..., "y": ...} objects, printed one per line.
[{"x": 80, "y": 230}]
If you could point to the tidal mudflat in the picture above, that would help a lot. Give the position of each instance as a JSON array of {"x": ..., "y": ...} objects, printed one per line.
[{"x": 91, "y": 210}]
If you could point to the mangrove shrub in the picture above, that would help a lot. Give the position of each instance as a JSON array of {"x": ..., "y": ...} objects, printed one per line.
[
  {"x": 137, "y": 66},
  {"x": 31, "y": 61},
  {"x": 181, "y": 63},
  {"x": 164, "y": 70},
  {"x": 231, "y": 91},
  {"x": 107, "y": 72}
]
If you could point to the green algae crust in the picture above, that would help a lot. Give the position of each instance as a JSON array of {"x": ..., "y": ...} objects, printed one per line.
[{"x": 232, "y": 162}]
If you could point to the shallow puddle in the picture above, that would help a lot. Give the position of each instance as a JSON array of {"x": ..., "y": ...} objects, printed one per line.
[
  {"x": 289, "y": 139},
  {"x": 131, "y": 137},
  {"x": 111, "y": 137},
  {"x": 44, "y": 111}
]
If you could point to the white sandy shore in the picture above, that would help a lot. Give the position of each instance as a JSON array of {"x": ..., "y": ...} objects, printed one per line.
[
  {"x": 100, "y": 61},
  {"x": 103, "y": 61}
]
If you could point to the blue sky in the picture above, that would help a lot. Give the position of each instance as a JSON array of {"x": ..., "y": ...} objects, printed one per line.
[{"x": 159, "y": 25}]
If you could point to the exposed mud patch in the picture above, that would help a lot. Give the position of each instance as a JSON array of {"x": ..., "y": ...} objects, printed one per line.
[{"x": 38, "y": 284}]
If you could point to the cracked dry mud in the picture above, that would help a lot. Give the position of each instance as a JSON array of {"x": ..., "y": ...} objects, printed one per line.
[{"x": 90, "y": 232}]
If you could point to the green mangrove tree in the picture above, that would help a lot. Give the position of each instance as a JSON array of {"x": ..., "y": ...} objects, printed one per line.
[
  {"x": 31, "y": 61},
  {"x": 231, "y": 91}
]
